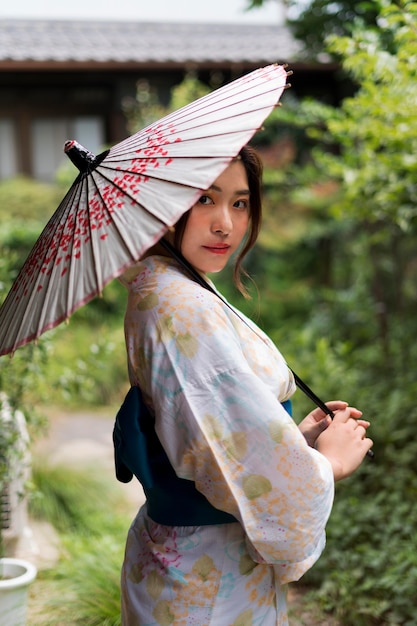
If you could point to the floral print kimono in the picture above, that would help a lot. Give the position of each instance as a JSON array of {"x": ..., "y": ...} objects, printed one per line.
[{"x": 215, "y": 383}]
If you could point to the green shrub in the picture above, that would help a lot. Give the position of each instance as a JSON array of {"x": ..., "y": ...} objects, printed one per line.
[
  {"x": 27, "y": 199},
  {"x": 368, "y": 573}
]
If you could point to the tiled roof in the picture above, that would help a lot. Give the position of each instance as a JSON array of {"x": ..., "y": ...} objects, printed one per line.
[{"x": 143, "y": 42}]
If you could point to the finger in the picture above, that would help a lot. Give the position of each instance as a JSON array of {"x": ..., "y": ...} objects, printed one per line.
[
  {"x": 342, "y": 415},
  {"x": 353, "y": 423},
  {"x": 363, "y": 423},
  {"x": 323, "y": 423},
  {"x": 336, "y": 405},
  {"x": 319, "y": 415},
  {"x": 361, "y": 431},
  {"x": 359, "y": 426},
  {"x": 369, "y": 442},
  {"x": 349, "y": 412}
]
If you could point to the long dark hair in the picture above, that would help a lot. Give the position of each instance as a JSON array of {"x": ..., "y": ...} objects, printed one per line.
[{"x": 254, "y": 168}]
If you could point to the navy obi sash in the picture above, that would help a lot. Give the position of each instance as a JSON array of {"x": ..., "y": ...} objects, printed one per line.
[{"x": 171, "y": 500}]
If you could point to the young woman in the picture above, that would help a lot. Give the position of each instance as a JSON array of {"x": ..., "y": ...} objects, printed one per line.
[{"x": 215, "y": 384}]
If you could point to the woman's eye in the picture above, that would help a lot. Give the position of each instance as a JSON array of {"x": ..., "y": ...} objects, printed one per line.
[
  {"x": 204, "y": 200},
  {"x": 241, "y": 204}
]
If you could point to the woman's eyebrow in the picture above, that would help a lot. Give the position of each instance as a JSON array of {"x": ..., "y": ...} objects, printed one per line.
[{"x": 238, "y": 192}]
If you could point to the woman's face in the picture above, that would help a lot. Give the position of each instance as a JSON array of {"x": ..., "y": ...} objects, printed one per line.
[{"x": 218, "y": 222}]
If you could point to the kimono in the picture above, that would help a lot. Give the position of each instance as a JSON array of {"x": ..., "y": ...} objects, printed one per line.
[{"x": 215, "y": 383}]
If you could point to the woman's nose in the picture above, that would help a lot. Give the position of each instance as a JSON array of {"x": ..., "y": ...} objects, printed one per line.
[{"x": 222, "y": 221}]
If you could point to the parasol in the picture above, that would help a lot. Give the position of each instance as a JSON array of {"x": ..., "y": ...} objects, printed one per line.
[{"x": 125, "y": 199}]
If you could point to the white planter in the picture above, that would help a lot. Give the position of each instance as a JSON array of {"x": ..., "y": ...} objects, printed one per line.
[{"x": 17, "y": 575}]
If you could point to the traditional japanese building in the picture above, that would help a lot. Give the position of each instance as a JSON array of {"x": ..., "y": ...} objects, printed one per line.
[{"x": 61, "y": 79}]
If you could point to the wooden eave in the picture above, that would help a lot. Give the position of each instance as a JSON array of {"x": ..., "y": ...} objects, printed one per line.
[{"x": 129, "y": 66}]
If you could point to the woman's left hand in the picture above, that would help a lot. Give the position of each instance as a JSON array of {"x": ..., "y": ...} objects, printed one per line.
[{"x": 315, "y": 422}]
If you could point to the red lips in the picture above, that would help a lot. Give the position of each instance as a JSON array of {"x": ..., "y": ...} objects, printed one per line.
[{"x": 217, "y": 249}]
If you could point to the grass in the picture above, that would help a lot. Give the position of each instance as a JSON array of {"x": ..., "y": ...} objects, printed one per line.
[
  {"x": 92, "y": 519},
  {"x": 84, "y": 589}
]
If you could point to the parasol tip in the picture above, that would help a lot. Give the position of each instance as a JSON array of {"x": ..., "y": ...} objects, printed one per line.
[
  {"x": 80, "y": 156},
  {"x": 83, "y": 159}
]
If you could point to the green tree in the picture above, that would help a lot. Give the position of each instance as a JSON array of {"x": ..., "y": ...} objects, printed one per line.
[
  {"x": 146, "y": 107},
  {"x": 375, "y": 163},
  {"x": 362, "y": 323},
  {"x": 312, "y": 22}
]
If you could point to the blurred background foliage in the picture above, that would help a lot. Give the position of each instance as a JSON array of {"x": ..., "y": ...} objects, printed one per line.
[{"x": 335, "y": 271}]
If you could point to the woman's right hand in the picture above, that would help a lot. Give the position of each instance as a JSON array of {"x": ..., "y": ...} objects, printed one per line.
[{"x": 344, "y": 442}]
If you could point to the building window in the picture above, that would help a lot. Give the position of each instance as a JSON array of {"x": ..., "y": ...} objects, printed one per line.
[
  {"x": 48, "y": 136},
  {"x": 8, "y": 152}
]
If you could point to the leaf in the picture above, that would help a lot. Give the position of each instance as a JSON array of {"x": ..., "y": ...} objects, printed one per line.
[
  {"x": 154, "y": 584},
  {"x": 236, "y": 445},
  {"x": 148, "y": 302},
  {"x": 246, "y": 565},
  {"x": 187, "y": 345},
  {"x": 276, "y": 430},
  {"x": 255, "y": 486},
  {"x": 244, "y": 619},
  {"x": 203, "y": 567},
  {"x": 135, "y": 573},
  {"x": 162, "y": 613}
]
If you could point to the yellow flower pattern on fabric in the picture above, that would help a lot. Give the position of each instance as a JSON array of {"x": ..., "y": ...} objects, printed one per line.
[{"x": 215, "y": 382}]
